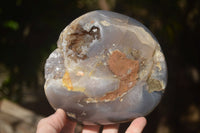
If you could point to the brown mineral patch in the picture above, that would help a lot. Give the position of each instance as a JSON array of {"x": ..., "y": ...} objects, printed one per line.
[{"x": 126, "y": 70}]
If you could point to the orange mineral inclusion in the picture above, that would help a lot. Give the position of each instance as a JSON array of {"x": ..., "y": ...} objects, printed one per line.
[{"x": 67, "y": 81}]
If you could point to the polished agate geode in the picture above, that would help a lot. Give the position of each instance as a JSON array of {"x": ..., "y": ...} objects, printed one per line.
[{"x": 108, "y": 68}]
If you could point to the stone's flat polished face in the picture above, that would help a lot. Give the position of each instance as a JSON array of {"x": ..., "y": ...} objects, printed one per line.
[{"x": 108, "y": 68}]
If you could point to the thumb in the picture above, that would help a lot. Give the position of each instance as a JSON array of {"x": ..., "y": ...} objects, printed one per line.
[{"x": 52, "y": 124}]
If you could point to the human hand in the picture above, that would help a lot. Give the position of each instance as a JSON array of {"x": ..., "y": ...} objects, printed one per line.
[{"x": 58, "y": 122}]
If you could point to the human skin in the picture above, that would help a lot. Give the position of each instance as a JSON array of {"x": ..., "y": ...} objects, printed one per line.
[{"x": 58, "y": 122}]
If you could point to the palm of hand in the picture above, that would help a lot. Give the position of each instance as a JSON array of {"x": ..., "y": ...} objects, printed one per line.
[{"x": 57, "y": 123}]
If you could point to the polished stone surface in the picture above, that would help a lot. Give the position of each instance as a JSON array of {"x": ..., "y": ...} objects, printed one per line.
[{"x": 108, "y": 68}]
